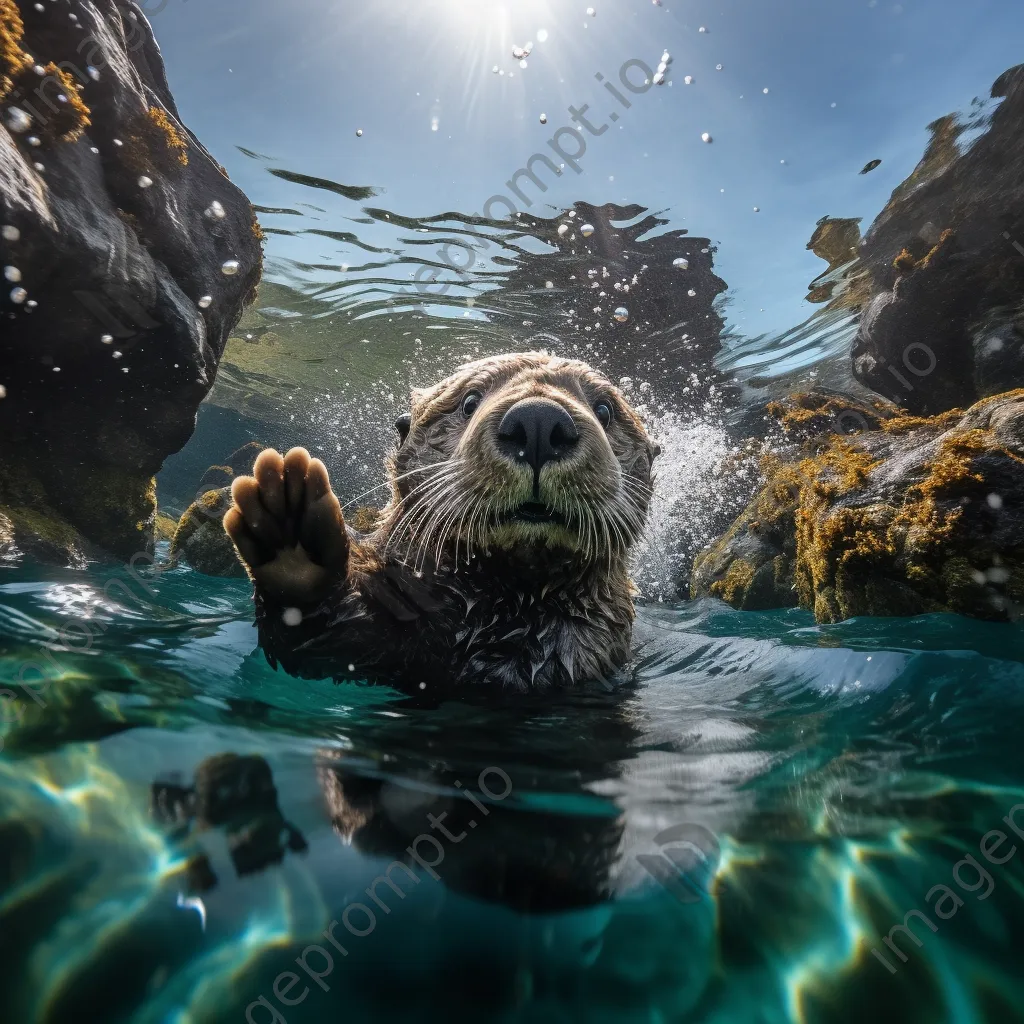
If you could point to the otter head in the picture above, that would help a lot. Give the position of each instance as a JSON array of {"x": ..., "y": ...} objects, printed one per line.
[{"x": 518, "y": 453}]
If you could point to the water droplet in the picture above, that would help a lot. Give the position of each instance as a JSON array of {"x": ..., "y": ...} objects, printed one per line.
[
  {"x": 494, "y": 71},
  {"x": 12, "y": 274},
  {"x": 93, "y": 73},
  {"x": 687, "y": 79},
  {"x": 215, "y": 211},
  {"x": 31, "y": 304},
  {"x": 543, "y": 118},
  {"x": 39, "y": 7},
  {"x": 518, "y": 52},
  {"x": 145, "y": 181},
  {"x": 522, "y": 64},
  {"x": 229, "y": 267},
  {"x": 663, "y": 67},
  {"x": 434, "y": 123},
  {"x": 117, "y": 142},
  {"x": 10, "y": 233},
  {"x": 659, "y": 78},
  {"x": 18, "y": 295},
  {"x": 706, "y": 137},
  {"x": 591, "y": 12},
  {"x": 116, "y": 355},
  {"x": 718, "y": 67},
  {"x": 757, "y": 209},
  {"x": 542, "y": 35},
  {"x": 691, "y": 293},
  {"x": 833, "y": 106},
  {"x": 549, "y": 284},
  {"x": 765, "y": 91},
  {"x": 586, "y": 230},
  {"x": 702, "y": 30},
  {"x": 17, "y": 120},
  {"x": 563, "y": 228},
  {"x": 205, "y": 301},
  {"x": 359, "y": 133},
  {"x": 621, "y": 314},
  {"x": 34, "y": 140},
  {"x": 681, "y": 263},
  {"x": 292, "y": 616},
  {"x": 107, "y": 339},
  {"x": 666, "y": 57},
  {"x": 39, "y": 167}
]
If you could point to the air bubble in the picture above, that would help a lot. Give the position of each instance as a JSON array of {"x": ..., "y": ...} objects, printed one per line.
[
  {"x": 205, "y": 301},
  {"x": 621, "y": 314},
  {"x": 17, "y": 120},
  {"x": 706, "y": 137},
  {"x": 10, "y": 233},
  {"x": 681, "y": 263},
  {"x": 145, "y": 181},
  {"x": 18, "y": 295},
  {"x": 12, "y": 274},
  {"x": 229, "y": 267},
  {"x": 586, "y": 230}
]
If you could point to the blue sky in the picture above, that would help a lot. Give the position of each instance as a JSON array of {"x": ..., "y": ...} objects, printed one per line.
[{"x": 296, "y": 81}]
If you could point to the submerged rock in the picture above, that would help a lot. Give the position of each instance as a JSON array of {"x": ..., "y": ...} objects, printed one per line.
[
  {"x": 903, "y": 516},
  {"x": 200, "y": 539},
  {"x": 117, "y": 223}
]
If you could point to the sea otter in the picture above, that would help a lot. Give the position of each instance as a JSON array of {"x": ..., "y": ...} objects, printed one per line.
[{"x": 518, "y": 487}]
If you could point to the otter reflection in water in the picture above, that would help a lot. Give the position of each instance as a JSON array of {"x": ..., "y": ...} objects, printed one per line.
[{"x": 519, "y": 486}]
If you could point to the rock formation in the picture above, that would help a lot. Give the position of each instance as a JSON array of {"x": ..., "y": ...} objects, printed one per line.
[
  {"x": 128, "y": 258},
  {"x": 903, "y": 515},
  {"x": 945, "y": 323}
]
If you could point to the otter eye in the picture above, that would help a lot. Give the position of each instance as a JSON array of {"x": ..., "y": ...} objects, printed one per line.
[
  {"x": 471, "y": 403},
  {"x": 403, "y": 424},
  {"x": 603, "y": 412}
]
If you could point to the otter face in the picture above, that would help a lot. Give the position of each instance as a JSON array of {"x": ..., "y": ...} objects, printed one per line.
[{"x": 520, "y": 452}]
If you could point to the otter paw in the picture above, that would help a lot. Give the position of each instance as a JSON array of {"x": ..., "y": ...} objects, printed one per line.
[{"x": 287, "y": 527}]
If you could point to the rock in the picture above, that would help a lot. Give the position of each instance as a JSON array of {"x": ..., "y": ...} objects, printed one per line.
[
  {"x": 239, "y": 463},
  {"x": 109, "y": 352},
  {"x": 200, "y": 539},
  {"x": 164, "y": 527},
  {"x": 835, "y": 240},
  {"x": 911, "y": 515},
  {"x": 945, "y": 324}
]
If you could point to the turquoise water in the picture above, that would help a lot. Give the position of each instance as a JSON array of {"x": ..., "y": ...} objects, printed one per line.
[{"x": 834, "y": 776}]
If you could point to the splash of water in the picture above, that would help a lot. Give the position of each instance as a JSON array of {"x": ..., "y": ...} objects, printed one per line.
[{"x": 703, "y": 479}]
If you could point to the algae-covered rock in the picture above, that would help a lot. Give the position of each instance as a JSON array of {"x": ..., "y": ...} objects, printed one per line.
[
  {"x": 200, "y": 539},
  {"x": 134, "y": 256},
  {"x": 908, "y": 516}
]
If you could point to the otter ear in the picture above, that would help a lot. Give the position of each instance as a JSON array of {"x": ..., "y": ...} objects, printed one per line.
[{"x": 403, "y": 424}]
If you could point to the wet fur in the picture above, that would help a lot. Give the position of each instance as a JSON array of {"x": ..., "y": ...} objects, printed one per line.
[{"x": 443, "y": 593}]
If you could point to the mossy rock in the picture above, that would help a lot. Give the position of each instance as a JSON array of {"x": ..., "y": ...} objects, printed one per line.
[
  {"x": 919, "y": 515},
  {"x": 200, "y": 539},
  {"x": 165, "y": 526}
]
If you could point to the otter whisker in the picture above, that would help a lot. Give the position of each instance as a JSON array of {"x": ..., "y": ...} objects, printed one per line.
[
  {"x": 434, "y": 488},
  {"x": 388, "y": 483}
]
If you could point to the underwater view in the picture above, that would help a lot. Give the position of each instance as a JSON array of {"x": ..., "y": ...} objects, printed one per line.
[{"x": 511, "y": 511}]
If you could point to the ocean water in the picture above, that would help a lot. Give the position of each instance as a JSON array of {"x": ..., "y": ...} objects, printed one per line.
[
  {"x": 817, "y": 783},
  {"x": 768, "y": 820}
]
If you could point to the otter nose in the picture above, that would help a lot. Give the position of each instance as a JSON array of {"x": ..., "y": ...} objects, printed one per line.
[{"x": 537, "y": 431}]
